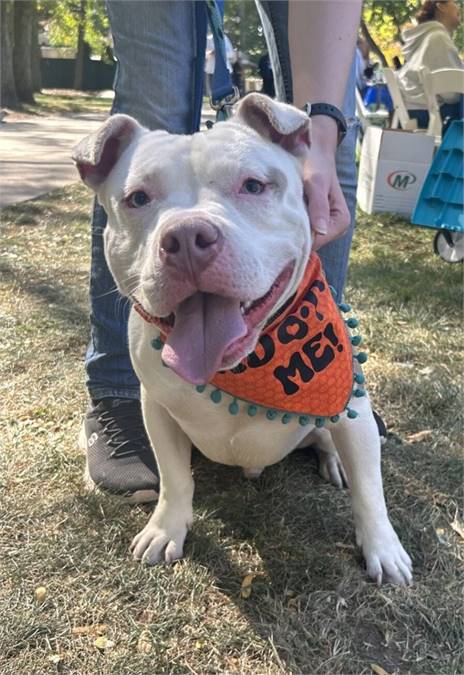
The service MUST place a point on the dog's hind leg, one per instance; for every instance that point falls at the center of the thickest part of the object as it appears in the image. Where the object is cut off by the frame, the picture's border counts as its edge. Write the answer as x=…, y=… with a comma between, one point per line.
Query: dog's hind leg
x=252, y=473
x=330, y=464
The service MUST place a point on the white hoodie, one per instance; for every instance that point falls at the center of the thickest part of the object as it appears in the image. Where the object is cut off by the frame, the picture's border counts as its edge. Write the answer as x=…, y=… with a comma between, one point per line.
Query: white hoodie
x=428, y=44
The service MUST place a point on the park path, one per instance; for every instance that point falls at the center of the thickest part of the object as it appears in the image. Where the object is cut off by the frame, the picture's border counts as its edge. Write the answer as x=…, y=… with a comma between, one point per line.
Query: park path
x=35, y=153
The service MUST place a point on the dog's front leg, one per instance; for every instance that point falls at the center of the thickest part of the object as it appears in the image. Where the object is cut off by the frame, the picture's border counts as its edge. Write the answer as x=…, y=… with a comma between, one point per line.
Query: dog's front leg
x=358, y=444
x=163, y=536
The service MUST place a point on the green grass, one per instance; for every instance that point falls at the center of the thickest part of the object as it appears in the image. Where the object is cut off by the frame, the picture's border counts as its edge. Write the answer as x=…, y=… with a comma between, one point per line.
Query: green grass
x=64, y=101
x=312, y=609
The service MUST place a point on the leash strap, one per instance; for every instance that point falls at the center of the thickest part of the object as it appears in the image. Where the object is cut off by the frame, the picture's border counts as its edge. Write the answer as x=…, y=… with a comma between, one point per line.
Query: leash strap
x=223, y=94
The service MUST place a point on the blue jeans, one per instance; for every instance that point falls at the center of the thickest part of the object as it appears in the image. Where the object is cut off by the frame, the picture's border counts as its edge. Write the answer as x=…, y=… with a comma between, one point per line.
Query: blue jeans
x=160, y=48
x=448, y=113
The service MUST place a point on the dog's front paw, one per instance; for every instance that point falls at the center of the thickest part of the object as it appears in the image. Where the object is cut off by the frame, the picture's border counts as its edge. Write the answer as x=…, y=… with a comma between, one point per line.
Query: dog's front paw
x=159, y=542
x=386, y=559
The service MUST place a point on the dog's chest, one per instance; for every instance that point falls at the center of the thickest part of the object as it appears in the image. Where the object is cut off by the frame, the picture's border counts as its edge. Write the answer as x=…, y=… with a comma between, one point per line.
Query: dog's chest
x=237, y=439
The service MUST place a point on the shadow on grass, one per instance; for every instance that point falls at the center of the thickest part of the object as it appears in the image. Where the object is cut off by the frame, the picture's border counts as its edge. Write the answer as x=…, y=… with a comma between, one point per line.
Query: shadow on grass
x=56, y=299
x=416, y=282
x=297, y=529
x=45, y=210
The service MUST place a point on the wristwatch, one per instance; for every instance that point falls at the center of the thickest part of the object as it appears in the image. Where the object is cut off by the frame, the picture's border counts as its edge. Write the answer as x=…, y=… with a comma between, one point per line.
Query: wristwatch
x=312, y=109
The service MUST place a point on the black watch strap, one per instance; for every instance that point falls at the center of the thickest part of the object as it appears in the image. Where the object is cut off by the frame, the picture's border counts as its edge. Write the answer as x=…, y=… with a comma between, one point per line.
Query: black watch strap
x=312, y=109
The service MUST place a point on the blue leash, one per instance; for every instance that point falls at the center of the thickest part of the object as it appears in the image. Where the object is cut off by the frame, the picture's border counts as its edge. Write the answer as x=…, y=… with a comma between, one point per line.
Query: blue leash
x=223, y=92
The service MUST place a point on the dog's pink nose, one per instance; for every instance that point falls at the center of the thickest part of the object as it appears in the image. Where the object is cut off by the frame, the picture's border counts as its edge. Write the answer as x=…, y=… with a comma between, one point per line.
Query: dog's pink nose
x=191, y=246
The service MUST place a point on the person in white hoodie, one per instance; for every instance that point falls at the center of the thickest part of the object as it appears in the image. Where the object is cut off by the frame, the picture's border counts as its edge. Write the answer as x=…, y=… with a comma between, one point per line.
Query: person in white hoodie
x=430, y=44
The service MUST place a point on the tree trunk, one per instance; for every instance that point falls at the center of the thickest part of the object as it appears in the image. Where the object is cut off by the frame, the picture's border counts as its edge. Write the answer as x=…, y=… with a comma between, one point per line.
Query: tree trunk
x=24, y=16
x=81, y=51
x=372, y=44
x=36, y=55
x=9, y=98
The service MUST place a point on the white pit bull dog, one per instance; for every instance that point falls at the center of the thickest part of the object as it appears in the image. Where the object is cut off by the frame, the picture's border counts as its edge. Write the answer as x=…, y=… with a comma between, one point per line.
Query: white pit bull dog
x=209, y=237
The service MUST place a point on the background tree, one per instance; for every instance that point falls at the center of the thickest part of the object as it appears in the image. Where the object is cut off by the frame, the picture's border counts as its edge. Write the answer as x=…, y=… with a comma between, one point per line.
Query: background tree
x=36, y=77
x=82, y=49
x=9, y=97
x=22, y=53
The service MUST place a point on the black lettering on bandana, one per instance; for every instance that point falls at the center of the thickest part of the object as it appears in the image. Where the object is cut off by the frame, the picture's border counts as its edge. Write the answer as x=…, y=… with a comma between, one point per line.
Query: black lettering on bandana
x=240, y=368
x=285, y=332
x=284, y=373
x=311, y=348
x=330, y=335
x=267, y=343
x=312, y=297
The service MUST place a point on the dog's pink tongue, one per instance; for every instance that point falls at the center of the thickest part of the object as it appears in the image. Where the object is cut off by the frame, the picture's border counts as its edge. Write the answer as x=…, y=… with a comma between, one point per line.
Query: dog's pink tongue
x=205, y=326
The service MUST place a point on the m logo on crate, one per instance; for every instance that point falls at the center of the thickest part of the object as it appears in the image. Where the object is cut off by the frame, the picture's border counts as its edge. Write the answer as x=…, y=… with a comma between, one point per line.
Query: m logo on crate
x=401, y=180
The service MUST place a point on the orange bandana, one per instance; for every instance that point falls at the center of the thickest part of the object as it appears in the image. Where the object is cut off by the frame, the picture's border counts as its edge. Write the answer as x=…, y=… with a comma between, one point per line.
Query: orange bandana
x=303, y=363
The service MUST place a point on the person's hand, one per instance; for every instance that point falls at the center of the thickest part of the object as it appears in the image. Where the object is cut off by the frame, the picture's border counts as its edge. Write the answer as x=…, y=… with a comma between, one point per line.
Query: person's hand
x=328, y=212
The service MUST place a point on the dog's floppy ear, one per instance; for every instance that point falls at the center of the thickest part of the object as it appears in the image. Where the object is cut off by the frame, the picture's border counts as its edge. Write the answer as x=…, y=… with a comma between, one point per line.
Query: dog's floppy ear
x=279, y=122
x=97, y=154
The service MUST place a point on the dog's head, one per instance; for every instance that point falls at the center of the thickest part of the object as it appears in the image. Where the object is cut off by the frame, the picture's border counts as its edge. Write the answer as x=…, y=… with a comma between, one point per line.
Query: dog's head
x=208, y=233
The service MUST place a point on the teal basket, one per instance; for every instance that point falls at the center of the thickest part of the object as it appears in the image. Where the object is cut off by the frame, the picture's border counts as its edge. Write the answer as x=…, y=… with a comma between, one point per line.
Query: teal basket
x=441, y=200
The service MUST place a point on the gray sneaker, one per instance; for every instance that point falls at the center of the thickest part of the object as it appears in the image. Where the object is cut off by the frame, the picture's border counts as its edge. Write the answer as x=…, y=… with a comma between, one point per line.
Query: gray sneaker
x=120, y=459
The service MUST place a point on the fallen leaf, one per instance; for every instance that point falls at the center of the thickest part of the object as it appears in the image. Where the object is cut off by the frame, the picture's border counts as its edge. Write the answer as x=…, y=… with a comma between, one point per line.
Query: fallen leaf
x=92, y=629
x=440, y=532
x=419, y=436
x=428, y=370
x=199, y=644
x=378, y=669
x=102, y=643
x=245, y=589
x=55, y=658
x=40, y=593
x=457, y=527
x=144, y=644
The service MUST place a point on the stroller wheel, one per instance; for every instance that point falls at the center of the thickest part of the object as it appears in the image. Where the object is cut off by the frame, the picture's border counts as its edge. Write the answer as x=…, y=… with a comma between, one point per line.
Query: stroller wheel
x=449, y=245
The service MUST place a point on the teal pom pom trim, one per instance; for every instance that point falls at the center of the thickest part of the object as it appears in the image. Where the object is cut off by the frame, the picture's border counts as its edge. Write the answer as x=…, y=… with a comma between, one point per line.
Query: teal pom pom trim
x=216, y=396
x=271, y=414
x=319, y=422
x=344, y=307
x=359, y=378
x=352, y=414
x=304, y=420
x=359, y=393
x=356, y=340
x=252, y=410
x=352, y=322
x=335, y=418
x=361, y=357
x=157, y=344
x=233, y=408
x=286, y=418
x=200, y=388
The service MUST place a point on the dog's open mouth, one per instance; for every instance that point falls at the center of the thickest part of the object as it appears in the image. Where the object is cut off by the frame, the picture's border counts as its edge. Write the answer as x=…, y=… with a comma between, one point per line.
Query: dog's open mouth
x=207, y=332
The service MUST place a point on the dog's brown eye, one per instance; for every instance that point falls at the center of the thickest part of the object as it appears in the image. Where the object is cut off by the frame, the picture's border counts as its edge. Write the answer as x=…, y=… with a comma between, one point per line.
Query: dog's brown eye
x=137, y=199
x=253, y=187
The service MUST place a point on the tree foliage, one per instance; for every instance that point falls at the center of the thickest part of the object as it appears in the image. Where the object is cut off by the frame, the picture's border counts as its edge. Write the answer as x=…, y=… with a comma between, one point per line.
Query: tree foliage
x=63, y=20
x=386, y=19
x=243, y=26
